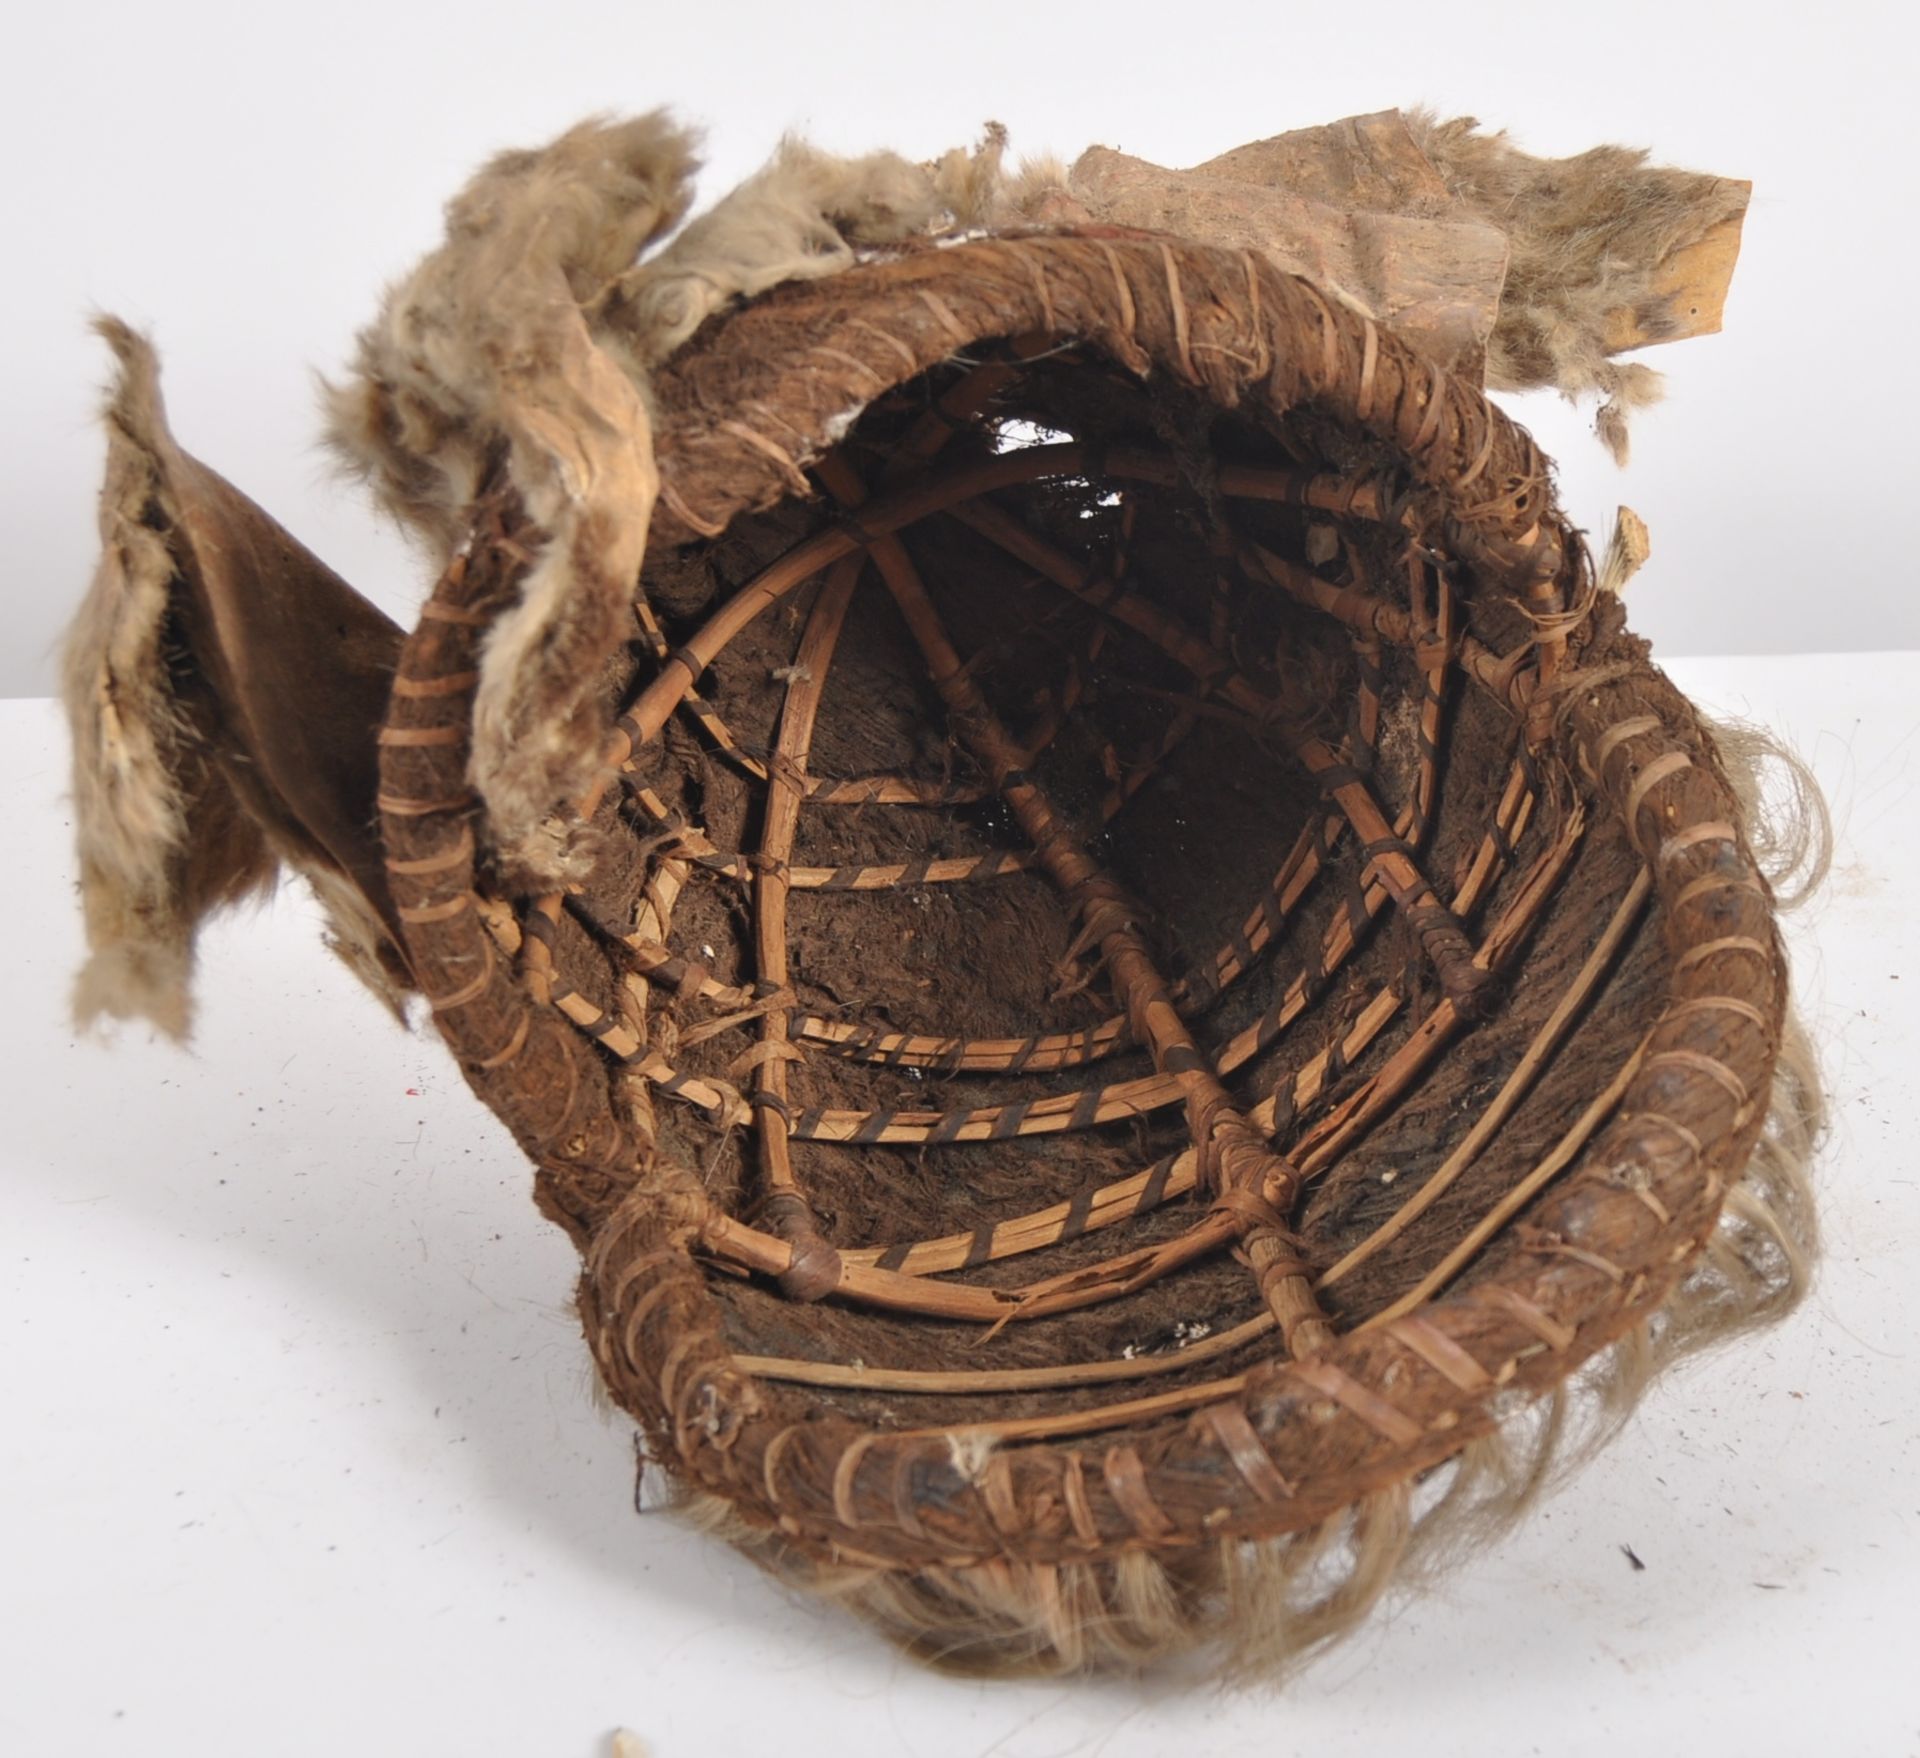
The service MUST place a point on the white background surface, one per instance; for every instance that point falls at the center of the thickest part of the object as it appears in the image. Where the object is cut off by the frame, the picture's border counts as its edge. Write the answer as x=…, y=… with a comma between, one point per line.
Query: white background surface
x=241, y=179
x=297, y=1455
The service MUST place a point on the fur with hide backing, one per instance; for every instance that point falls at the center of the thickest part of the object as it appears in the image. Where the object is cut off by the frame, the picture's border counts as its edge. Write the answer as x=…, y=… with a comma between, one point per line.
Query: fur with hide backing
x=483, y=358
x=140, y=770
x=806, y=214
x=1548, y=268
x=222, y=690
x=522, y=343
x=1596, y=240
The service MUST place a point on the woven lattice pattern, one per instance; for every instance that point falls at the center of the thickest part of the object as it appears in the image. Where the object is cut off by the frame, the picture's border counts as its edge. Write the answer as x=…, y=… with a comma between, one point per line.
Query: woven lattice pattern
x=1153, y=947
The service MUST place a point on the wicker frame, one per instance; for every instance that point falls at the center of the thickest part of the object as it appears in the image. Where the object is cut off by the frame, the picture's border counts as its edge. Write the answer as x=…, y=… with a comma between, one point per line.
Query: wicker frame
x=1613, y=1216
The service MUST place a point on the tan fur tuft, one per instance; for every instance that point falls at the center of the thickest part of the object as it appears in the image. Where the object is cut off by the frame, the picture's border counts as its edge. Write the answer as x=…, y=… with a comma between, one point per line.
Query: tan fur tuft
x=176, y=814
x=970, y=1451
x=523, y=342
x=141, y=774
x=1628, y=550
x=1786, y=817
x=131, y=979
x=420, y=412
x=807, y=214
x=1593, y=238
x=1037, y=191
x=356, y=936
x=484, y=354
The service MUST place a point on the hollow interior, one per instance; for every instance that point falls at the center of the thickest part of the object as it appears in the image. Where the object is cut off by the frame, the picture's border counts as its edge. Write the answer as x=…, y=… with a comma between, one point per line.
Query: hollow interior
x=1209, y=655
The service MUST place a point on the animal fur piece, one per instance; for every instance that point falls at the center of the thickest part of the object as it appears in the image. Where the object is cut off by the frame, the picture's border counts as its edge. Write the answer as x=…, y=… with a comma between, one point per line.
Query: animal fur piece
x=1355, y=207
x=139, y=773
x=524, y=339
x=1608, y=253
x=1626, y=553
x=484, y=354
x=222, y=689
x=807, y=214
x=1540, y=269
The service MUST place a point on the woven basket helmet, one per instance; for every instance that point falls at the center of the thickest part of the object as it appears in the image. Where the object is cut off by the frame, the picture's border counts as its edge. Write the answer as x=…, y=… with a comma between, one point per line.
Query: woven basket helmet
x=1128, y=958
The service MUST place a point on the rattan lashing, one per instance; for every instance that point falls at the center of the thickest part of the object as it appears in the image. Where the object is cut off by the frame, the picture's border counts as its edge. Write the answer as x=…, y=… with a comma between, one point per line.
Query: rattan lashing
x=825, y=447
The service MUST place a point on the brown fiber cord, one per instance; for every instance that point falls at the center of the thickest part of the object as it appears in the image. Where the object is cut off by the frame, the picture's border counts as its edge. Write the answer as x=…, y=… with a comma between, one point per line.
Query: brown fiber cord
x=1134, y=983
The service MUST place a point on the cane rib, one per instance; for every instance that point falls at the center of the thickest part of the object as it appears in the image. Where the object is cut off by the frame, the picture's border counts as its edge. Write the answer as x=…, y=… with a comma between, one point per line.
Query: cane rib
x=815, y=1269
x=1220, y=1157
x=1173, y=1176
x=893, y=1290
x=1441, y=935
x=1041, y=1052
x=938, y=491
x=1233, y=1155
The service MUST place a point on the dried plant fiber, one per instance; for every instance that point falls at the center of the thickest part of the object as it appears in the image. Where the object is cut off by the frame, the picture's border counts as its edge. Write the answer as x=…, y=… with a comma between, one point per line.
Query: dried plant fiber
x=1256, y=1612
x=1147, y=1014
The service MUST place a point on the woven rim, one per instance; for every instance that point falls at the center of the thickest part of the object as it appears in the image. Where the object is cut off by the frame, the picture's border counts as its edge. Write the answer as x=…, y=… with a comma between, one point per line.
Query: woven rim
x=1279, y=1447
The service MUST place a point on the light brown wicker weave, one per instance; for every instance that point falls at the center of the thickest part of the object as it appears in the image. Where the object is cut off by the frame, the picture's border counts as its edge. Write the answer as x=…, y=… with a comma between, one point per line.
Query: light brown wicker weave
x=1156, y=959
x=1381, y=1175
